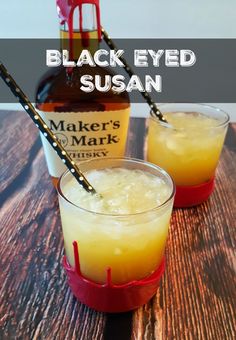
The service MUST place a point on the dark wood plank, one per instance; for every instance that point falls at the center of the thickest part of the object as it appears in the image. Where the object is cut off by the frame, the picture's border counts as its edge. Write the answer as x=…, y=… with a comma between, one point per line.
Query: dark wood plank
x=19, y=142
x=118, y=326
x=196, y=298
x=35, y=301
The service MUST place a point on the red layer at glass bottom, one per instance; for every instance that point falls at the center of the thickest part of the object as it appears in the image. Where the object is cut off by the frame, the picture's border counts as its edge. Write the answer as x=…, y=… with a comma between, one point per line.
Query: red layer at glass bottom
x=188, y=196
x=109, y=297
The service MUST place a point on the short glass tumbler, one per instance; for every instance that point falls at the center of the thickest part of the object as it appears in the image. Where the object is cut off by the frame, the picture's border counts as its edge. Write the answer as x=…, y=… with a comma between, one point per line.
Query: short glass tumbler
x=188, y=149
x=117, y=254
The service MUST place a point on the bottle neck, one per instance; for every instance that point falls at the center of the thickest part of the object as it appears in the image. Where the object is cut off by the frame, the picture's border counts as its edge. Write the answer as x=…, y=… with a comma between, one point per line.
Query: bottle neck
x=81, y=32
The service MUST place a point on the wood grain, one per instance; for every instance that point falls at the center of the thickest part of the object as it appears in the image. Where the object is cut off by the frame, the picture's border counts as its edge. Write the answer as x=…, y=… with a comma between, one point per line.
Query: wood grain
x=35, y=301
x=196, y=298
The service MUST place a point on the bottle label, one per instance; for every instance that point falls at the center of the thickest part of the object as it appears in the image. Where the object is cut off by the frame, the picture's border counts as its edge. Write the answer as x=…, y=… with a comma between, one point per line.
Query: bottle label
x=85, y=135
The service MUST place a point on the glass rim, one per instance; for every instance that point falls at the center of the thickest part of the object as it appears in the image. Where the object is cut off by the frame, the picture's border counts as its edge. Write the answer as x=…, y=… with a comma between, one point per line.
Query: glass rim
x=129, y=159
x=202, y=105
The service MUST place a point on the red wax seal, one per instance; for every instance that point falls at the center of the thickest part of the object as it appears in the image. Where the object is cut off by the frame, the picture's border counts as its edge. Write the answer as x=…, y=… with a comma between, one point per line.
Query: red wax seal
x=66, y=10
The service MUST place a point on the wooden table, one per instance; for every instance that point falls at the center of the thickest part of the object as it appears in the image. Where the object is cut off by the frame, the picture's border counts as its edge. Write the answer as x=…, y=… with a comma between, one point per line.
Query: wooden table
x=196, y=298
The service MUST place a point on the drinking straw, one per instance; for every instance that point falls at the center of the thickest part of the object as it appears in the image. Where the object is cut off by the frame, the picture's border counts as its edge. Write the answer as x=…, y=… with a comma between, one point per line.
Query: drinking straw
x=154, y=109
x=47, y=133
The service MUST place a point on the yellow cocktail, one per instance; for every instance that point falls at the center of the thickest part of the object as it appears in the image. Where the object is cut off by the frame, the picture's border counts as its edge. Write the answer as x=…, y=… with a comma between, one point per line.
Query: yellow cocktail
x=189, y=150
x=125, y=228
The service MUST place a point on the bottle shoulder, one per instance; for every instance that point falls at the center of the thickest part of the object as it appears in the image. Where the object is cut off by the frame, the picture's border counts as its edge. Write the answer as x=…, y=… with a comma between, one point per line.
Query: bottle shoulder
x=60, y=87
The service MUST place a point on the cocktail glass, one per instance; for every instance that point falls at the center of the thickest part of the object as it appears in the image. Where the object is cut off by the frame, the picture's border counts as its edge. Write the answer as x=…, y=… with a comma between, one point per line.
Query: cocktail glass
x=114, y=261
x=188, y=152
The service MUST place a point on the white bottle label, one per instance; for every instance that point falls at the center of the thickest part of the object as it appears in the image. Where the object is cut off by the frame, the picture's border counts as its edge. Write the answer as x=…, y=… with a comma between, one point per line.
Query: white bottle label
x=85, y=135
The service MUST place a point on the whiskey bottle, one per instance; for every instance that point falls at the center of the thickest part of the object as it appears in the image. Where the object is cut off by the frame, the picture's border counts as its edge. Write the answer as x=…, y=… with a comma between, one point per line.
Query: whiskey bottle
x=88, y=125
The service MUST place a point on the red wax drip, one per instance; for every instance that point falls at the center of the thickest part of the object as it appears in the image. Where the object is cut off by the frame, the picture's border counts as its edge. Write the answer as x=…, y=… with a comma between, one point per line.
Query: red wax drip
x=109, y=281
x=76, y=257
x=66, y=10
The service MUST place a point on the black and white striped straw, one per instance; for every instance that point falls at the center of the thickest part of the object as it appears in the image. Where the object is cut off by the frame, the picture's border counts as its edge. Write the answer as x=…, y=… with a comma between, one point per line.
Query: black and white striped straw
x=154, y=109
x=42, y=126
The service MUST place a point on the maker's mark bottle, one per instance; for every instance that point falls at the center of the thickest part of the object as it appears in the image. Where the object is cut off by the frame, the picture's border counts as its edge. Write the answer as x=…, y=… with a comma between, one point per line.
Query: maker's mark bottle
x=88, y=125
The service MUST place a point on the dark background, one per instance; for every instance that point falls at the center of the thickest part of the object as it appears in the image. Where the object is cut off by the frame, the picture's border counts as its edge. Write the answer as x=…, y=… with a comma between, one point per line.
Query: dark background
x=211, y=79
